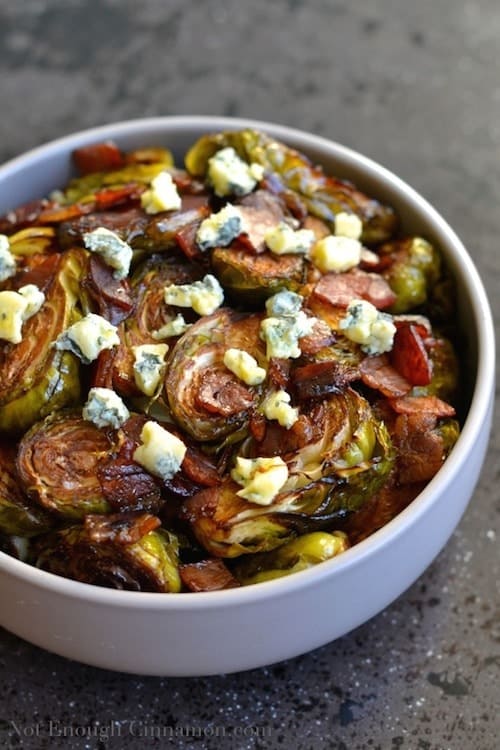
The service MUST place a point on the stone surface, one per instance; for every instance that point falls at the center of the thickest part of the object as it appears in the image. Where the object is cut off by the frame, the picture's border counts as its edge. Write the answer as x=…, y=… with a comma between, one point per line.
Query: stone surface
x=415, y=88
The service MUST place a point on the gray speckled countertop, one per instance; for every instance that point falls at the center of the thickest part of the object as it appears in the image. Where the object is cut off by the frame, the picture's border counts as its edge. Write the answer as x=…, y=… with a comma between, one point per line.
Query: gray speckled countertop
x=416, y=87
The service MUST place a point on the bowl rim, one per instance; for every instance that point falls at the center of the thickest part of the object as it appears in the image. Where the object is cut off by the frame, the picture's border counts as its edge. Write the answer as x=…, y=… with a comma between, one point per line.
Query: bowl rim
x=476, y=419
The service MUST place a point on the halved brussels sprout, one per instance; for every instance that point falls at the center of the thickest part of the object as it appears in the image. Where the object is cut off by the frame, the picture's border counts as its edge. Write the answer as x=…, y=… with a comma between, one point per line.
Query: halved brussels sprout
x=344, y=457
x=150, y=564
x=250, y=279
x=415, y=269
x=206, y=399
x=18, y=516
x=298, y=554
x=151, y=315
x=37, y=378
x=323, y=196
x=58, y=460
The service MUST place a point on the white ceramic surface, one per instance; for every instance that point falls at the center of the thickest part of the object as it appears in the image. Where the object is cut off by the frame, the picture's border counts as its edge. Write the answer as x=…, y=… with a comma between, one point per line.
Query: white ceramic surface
x=209, y=633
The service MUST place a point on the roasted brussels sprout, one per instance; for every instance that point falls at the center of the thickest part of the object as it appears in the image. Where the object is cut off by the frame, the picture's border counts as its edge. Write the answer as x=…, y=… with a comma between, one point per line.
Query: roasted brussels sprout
x=250, y=279
x=58, y=461
x=298, y=554
x=206, y=399
x=342, y=456
x=37, y=379
x=18, y=516
x=413, y=273
x=150, y=564
x=322, y=196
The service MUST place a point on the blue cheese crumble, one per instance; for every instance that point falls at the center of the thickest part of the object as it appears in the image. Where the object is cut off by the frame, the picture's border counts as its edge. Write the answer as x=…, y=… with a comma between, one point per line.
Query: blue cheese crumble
x=338, y=254
x=221, y=228
x=228, y=174
x=261, y=478
x=88, y=337
x=204, y=296
x=283, y=239
x=105, y=408
x=366, y=325
x=162, y=195
x=7, y=260
x=175, y=327
x=277, y=406
x=244, y=366
x=115, y=252
x=348, y=225
x=16, y=308
x=160, y=452
x=149, y=366
x=285, y=325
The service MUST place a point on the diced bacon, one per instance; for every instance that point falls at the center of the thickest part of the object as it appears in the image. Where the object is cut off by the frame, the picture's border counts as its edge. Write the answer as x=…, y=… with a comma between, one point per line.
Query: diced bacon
x=319, y=379
x=127, y=486
x=278, y=372
x=261, y=211
x=120, y=528
x=320, y=337
x=207, y=575
x=338, y=289
x=420, y=448
x=424, y=405
x=113, y=298
x=378, y=373
x=409, y=357
x=198, y=467
x=220, y=393
x=99, y=157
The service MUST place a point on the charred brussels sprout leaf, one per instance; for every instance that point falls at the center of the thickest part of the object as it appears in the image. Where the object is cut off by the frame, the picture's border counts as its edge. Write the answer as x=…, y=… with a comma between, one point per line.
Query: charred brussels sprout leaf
x=298, y=554
x=322, y=196
x=150, y=564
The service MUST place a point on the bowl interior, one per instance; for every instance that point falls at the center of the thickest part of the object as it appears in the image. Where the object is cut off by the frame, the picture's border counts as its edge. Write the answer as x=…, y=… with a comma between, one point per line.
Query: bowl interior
x=38, y=172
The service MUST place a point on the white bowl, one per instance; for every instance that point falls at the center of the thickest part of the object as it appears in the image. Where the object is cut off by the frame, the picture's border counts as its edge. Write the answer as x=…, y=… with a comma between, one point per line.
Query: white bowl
x=227, y=631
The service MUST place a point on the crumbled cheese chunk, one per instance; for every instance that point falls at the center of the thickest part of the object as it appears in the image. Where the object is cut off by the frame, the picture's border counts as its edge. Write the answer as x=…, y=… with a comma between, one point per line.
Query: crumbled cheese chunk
x=105, y=408
x=230, y=175
x=88, y=337
x=175, y=327
x=244, y=366
x=365, y=325
x=7, y=260
x=284, y=303
x=283, y=239
x=220, y=229
x=115, y=252
x=348, y=225
x=149, y=366
x=16, y=308
x=337, y=254
x=160, y=452
x=261, y=478
x=277, y=406
x=286, y=324
x=162, y=195
x=203, y=296
x=34, y=299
